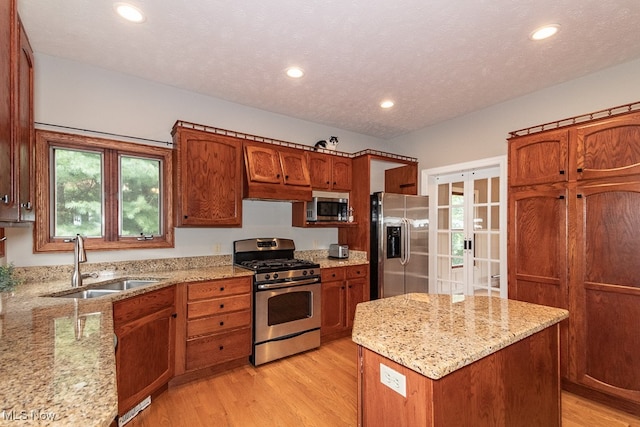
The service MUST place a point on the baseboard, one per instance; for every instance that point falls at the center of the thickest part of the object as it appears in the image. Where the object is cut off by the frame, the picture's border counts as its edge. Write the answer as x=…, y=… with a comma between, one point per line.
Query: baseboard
x=603, y=398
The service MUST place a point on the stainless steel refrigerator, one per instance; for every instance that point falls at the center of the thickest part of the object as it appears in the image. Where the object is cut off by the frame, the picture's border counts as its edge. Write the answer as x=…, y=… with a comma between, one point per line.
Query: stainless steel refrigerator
x=399, y=244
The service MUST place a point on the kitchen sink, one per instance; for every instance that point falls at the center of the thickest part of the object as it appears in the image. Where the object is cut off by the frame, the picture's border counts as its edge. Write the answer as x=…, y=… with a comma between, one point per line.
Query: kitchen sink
x=125, y=284
x=109, y=288
x=89, y=293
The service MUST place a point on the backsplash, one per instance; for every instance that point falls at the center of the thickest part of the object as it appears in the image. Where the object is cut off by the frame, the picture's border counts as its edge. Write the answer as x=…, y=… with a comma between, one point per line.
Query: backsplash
x=109, y=269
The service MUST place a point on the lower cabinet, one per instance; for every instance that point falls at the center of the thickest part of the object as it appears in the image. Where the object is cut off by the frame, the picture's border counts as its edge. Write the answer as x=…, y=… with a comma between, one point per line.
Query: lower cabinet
x=342, y=289
x=145, y=328
x=218, y=323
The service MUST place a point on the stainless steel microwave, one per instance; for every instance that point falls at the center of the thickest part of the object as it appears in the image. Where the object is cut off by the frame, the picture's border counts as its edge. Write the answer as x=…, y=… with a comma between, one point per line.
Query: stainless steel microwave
x=327, y=209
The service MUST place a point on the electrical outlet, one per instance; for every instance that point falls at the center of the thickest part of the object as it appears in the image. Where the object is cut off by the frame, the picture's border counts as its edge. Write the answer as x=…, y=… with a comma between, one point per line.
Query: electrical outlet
x=217, y=248
x=393, y=379
x=315, y=244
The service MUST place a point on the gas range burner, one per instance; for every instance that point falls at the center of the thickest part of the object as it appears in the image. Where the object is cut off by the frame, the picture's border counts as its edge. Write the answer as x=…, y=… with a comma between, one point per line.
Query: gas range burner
x=281, y=264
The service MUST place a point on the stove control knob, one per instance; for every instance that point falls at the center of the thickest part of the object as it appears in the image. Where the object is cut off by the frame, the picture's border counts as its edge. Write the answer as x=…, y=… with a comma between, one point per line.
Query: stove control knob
x=275, y=276
x=267, y=276
x=304, y=273
x=311, y=272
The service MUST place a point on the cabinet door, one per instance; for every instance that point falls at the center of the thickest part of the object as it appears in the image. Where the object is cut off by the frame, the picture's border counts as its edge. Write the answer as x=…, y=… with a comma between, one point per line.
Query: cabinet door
x=7, y=9
x=341, y=171
x=402, y=180
x=539, y=158
x=294, y=168
x=537, y=253
x=320, y=171
x=24, y=129
x=145, y=327
x=355, y=295
x=209, y=179
x=605, y=302
x=263, y=164
x=333, y=307
x=609, y=148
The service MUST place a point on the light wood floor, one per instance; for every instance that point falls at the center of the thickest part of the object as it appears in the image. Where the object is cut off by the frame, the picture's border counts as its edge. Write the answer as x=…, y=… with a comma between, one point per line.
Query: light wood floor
x=314, y=389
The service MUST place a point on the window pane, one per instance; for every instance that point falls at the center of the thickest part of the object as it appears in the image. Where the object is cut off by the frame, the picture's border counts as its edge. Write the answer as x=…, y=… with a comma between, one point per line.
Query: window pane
x=140, y=209
x=77, y=198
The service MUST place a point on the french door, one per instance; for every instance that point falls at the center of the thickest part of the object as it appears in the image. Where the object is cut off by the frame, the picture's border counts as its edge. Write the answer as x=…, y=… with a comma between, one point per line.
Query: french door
x=468, y=246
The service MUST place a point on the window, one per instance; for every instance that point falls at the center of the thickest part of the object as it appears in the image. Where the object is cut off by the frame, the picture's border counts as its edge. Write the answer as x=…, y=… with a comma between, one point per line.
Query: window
x=115, y=194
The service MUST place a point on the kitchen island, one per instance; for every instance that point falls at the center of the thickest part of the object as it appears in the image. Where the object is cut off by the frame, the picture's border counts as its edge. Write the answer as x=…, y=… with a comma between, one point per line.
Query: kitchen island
x=428, y=361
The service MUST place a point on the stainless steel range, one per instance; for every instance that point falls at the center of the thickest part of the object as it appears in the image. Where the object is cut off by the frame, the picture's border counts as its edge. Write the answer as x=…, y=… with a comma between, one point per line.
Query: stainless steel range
x=286, y=298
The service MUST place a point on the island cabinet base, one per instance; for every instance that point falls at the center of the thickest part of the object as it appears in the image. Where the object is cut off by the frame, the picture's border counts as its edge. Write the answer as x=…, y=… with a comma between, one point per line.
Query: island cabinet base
x=518, y=385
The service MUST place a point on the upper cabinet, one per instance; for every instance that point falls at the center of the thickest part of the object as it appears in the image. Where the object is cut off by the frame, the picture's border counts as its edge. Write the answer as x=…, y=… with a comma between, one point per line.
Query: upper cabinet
x=276, y=173
x=329, y=172
x=402, y=180
x=608, y=148
x=16, y=118
x=208, y=178
x=539, y=158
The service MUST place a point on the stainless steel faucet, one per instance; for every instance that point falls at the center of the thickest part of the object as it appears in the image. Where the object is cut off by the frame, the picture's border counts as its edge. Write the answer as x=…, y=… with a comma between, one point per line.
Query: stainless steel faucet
x=79, y=255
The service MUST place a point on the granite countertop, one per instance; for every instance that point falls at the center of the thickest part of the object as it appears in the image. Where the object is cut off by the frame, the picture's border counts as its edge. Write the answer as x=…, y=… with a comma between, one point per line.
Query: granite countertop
x=57, y=354
x=429, y=334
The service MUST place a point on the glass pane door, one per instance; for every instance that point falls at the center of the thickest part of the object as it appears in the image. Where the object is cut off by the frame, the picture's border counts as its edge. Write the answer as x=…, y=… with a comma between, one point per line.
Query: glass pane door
x=468, y=237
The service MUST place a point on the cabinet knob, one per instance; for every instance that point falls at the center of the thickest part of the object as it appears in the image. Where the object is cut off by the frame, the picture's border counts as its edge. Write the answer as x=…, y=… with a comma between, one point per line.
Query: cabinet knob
x=222, y=289
x=561, y=172
x=334, y=183
x=28, y=206
x=561, y=197
x=221, y=323
x=221, y=347
x=174, y=315
x=328, y=183
x=186, y=216
x=5, y=199
x=341, y=287
x=579, y=170
x=221, y=305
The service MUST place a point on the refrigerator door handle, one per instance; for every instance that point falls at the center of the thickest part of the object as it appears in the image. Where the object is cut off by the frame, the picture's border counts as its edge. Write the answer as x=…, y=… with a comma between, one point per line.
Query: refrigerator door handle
x=405, y=242
x=407, y=230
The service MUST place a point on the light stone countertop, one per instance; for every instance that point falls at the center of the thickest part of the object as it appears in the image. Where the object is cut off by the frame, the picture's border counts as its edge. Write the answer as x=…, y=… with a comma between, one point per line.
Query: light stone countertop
x=51, y=378
x=429, y=334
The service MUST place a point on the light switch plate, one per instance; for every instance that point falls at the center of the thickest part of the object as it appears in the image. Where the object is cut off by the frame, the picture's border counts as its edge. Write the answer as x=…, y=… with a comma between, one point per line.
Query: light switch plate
x=393, y=379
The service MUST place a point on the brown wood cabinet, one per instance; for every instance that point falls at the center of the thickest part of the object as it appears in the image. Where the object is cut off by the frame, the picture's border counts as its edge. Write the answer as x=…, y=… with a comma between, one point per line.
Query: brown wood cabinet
x=208, y=178
x=218, y=323
x=329, y=172
x=342, y=289
x=402, y=180
x=572, y=243
x=145, y=328
x=274, y=172
x=16, y=117
x=515, y=386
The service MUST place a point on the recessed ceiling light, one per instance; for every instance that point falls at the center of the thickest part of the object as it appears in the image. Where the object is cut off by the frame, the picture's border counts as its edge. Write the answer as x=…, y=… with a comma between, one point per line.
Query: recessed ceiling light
x=129, y=12
x=295, y=72
x=544, y=32
x=386, y=104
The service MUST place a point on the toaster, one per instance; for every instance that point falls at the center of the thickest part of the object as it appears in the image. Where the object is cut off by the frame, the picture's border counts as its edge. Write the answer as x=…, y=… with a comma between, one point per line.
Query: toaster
x=338, y=251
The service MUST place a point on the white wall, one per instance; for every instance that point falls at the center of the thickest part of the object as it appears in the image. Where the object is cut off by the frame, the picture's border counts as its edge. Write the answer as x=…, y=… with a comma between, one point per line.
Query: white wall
x=72, y=94
x=484, y=133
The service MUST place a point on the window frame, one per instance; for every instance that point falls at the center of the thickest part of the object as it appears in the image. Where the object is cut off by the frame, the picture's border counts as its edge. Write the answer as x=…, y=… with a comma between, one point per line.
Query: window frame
x=111, y=151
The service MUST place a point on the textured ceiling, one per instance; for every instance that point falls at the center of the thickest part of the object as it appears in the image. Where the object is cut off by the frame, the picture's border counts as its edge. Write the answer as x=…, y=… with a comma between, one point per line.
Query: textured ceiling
x=437, y=59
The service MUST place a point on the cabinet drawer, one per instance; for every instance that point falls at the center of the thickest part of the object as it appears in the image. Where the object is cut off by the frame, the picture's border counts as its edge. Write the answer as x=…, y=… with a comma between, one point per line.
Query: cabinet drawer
x=214, y=349
x=140, y=306
x=217, y=324
x=218, y=306
x=219, y=288
x=332, y=274
x=356, y=271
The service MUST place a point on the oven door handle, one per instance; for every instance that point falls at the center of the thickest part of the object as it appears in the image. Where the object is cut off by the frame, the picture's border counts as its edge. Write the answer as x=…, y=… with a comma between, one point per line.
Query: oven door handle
x=281, y=285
